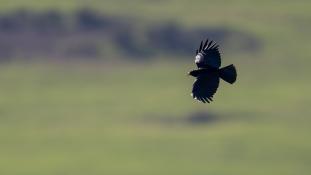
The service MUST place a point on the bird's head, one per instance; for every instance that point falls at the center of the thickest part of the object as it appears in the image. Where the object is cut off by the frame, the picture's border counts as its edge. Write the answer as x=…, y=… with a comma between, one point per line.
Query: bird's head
x=199, y=58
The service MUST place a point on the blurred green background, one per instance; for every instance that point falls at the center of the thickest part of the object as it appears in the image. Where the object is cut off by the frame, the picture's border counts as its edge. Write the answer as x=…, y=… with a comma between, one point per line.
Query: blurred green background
x=100, y=87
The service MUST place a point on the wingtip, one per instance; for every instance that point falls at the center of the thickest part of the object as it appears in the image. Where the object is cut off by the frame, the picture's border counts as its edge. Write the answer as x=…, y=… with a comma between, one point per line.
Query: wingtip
x=205, y=44
x=202, y=99
x=201, y=45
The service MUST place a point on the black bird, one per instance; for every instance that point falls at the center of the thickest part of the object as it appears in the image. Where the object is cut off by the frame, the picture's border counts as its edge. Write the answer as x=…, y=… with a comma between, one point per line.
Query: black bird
x=209, y=72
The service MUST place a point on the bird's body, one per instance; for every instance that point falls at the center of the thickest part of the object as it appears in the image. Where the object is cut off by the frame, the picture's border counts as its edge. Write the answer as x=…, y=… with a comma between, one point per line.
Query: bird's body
x=204, y=72
x=209, y=72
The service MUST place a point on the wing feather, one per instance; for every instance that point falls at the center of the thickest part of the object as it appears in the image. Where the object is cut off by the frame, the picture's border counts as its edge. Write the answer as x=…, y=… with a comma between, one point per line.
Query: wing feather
x=200, y=49
x=208, y=55
x=205, y=44
x=205, y=87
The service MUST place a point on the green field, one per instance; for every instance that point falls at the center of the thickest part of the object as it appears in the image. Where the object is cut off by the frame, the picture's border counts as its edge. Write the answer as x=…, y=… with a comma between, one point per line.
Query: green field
x=132, y=118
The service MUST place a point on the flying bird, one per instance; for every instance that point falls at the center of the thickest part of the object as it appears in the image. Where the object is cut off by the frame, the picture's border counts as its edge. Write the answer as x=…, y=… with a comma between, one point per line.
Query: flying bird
x=209, y=72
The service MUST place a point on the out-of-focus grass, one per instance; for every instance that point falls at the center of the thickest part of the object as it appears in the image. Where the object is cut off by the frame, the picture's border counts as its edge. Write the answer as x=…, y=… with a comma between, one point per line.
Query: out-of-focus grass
x=96, y=119
x=107, y=119
x=243, y=13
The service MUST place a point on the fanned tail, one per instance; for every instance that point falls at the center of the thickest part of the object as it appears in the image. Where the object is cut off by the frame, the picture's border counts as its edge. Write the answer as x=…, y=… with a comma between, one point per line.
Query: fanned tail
x=228, y=74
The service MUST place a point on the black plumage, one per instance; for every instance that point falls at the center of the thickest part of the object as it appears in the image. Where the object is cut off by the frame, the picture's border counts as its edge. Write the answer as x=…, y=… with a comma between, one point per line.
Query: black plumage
x=208, y=61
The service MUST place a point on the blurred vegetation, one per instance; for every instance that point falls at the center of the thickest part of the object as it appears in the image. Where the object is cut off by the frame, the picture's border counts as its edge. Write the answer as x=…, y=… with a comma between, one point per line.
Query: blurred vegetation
x=103, y=113
x=86, y=34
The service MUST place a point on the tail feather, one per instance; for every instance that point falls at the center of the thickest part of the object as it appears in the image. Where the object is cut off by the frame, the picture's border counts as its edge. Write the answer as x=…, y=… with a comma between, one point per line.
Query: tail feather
x=228, y=74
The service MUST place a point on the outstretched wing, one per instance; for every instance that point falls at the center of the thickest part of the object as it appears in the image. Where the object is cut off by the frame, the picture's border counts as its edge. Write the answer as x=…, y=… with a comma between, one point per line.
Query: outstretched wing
x=208, y=55
x=205, y=87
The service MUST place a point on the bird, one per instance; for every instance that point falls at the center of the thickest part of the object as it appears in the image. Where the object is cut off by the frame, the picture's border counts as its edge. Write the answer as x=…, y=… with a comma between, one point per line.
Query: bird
x=209, y=73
